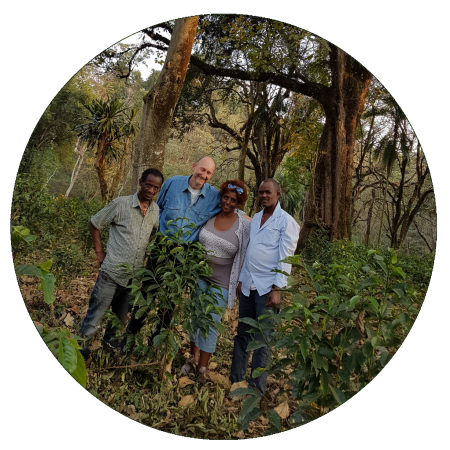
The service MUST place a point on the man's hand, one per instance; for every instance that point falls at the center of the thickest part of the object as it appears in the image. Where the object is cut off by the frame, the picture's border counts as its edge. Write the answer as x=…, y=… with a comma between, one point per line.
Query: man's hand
x=274, y=297
x=95, y=234
x=238, y=289
x=101, y=255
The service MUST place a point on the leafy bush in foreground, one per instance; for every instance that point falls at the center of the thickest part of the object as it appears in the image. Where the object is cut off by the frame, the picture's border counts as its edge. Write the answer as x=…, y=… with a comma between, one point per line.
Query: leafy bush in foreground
x=343, y=327
x=169, y=289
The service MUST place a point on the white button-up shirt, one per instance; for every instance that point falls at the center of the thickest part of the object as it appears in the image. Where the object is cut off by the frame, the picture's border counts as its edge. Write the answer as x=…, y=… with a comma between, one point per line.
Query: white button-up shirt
x=269, y=244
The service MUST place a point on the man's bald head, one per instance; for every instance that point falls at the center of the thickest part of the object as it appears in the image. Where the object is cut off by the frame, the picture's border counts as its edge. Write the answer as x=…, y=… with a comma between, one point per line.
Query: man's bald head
x=202, y=171
x=206, y=160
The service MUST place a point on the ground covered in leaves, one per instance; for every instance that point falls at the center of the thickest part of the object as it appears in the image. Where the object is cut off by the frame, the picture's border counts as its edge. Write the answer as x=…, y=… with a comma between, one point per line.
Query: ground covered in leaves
x=132, y=387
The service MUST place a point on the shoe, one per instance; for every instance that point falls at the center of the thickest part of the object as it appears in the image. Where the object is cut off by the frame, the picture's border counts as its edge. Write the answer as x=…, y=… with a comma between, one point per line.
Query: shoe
x=189, y=367
x=201, y=375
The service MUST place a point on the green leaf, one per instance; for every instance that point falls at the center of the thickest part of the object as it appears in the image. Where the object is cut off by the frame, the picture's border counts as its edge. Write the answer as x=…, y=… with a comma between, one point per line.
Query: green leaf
x=385, y=356
x=28, y=270
x=399, y=292
x=47, y=280
x=140, y=312
x=374, y=303
x=258, y=372
x=338, y=395
x=369, y=330
x=67, y=354
x=383, y=266
x=250, y=321
x=274, y=419
x=404, y=319
x=310, y=271
x=326, y=352
x=324, y=382
x=45, y=267
x=386, y=309
x=80, y=371
x=243, y=391
x=249, y=405
x=354, y=300
x=48, y=286
x=254, y=345
x=399, y=271
x=305, y=288
x=298, y=298
x=319, y=362
x=304, y=346
x=160, y=338
x=324, y=297
x=367, y=349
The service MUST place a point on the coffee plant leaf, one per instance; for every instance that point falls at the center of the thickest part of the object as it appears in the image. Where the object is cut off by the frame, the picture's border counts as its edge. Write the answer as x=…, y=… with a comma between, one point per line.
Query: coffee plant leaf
x=258, y=372
x=304, y=345
x=338, y=395
x=254, y=345
x=67, y=354
x=249, y=321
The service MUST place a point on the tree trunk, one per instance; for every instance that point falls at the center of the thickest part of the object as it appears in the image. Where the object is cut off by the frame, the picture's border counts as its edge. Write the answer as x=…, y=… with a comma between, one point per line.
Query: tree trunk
x=119, y=175
x=369, y=220
x=406, y=211
x=80, y=150
x=330, y=199
x=100, y=167
x=160, y=102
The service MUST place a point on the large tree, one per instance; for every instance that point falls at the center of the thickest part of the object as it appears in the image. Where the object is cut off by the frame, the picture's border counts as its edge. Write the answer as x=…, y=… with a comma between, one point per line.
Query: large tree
x=300, y=62
x=262, y=50
x=160, y=101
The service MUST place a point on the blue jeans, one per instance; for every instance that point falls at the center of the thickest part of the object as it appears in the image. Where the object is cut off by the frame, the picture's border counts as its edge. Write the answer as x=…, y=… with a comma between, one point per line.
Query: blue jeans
x=253, y=307
x=208, y=344
x=106, y=293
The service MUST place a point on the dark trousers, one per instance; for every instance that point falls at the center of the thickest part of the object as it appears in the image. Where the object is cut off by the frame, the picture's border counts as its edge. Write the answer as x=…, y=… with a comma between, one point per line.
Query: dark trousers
x=252, y=306
x=106, y=293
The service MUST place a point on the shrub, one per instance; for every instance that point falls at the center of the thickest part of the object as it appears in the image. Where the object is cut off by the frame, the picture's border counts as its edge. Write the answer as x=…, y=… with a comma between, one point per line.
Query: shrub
x=344, y=325
x=169, y=289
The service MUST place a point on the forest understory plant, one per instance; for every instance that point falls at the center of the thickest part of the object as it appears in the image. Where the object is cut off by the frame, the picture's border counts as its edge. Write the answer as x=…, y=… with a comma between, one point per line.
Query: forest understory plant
x=168, y=291
x=346, y=321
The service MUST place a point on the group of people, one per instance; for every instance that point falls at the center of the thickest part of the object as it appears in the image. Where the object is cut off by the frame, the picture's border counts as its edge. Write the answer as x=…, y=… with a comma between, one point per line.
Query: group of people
x=241, y=251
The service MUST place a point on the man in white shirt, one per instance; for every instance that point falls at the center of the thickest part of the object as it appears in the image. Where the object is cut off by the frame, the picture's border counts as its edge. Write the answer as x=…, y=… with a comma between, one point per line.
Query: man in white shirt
x=273, y=237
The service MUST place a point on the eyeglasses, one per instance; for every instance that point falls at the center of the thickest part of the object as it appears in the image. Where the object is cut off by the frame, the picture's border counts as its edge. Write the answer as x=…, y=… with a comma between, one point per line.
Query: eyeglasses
x=239, y=190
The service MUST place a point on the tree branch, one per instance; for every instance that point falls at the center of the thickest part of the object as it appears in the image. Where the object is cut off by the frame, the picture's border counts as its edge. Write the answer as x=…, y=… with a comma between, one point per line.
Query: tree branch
x=308, y=88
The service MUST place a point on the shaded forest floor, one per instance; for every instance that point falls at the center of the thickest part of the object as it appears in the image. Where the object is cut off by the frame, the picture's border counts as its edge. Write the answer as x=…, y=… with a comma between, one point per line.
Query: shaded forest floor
x=132, y=387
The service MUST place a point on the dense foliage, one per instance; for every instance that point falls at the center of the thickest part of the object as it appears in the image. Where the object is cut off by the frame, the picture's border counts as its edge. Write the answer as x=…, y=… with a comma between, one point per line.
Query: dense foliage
x=60, y=224
x=348, y=317
x=169, y=288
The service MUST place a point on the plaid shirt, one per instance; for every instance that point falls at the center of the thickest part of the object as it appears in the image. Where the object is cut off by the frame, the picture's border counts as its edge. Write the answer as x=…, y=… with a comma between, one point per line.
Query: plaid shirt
x=129, y=234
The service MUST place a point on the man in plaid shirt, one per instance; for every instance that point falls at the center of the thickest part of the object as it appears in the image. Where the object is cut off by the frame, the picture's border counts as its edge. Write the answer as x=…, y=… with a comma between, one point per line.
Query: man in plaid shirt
x=132, y=220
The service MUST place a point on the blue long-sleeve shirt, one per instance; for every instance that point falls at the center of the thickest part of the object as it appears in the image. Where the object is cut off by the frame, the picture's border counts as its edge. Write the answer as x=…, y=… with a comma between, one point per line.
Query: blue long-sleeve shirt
x=269, y=244
x=174, y=200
